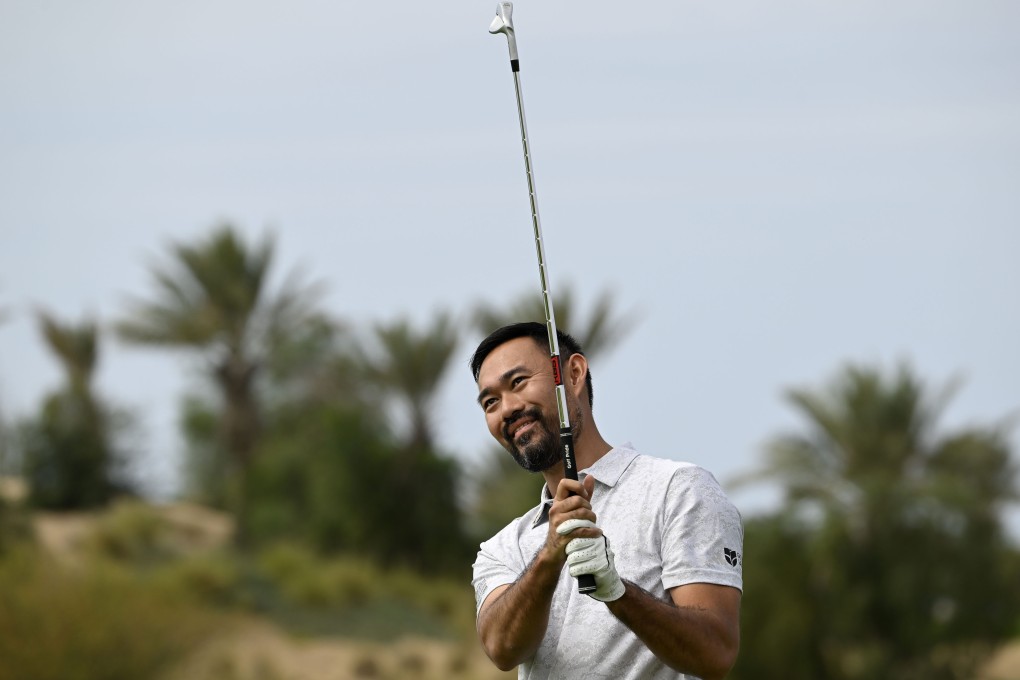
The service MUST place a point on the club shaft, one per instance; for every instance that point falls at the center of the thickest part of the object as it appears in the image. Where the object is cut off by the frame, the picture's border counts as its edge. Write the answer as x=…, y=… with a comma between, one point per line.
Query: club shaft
x=504, y=24
x=569, y=463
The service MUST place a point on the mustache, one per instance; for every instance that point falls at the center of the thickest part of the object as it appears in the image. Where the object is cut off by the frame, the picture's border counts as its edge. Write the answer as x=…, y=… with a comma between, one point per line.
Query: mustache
x=530, y=413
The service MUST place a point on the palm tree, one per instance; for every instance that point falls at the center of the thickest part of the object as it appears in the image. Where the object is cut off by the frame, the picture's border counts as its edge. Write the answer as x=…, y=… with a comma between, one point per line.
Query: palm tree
x=873, y=446
x=76, y=347
x=902, y=542
x=3, y=426
x=598, y=331
x=410, y=365
x=69, y=451
x=213, y=298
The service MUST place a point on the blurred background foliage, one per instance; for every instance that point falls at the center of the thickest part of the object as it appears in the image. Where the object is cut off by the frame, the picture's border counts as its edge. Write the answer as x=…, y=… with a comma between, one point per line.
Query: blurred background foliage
x=319, y=502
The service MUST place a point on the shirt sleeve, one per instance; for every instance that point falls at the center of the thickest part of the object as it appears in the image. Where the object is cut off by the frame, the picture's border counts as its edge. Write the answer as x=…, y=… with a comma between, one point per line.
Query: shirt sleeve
x=498, y=563
x=703, y=535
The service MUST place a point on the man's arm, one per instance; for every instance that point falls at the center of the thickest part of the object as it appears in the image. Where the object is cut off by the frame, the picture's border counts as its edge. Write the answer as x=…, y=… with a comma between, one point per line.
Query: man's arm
x=698, y=633
x=513, y=619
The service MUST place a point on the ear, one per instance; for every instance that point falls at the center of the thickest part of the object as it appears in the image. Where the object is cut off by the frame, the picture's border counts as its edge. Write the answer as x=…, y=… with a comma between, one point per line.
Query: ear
x=573, y=377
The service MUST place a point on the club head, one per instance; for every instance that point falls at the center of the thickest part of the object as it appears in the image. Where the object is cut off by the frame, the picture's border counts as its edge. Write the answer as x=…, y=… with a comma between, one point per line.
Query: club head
x=503, y=23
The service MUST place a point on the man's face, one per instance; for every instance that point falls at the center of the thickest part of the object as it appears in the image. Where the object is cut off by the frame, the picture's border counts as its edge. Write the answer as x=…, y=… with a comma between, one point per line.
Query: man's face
x=516, y=391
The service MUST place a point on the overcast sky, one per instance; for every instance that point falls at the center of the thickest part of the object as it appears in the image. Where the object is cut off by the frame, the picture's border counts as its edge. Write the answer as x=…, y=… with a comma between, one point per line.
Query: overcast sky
x=776, y=189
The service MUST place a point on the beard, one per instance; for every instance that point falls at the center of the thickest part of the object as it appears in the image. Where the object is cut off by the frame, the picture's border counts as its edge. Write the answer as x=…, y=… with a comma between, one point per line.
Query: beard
x=539, y=449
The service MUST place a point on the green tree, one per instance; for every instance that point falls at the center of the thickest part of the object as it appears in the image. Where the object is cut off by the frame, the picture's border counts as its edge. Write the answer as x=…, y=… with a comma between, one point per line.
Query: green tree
x=331, y=470
x=326, y=440
x=69, y=451
x=408, y=366
x=322, y=479
x=213, y=298
x=5, y=466
x=888, y=558
x=501, y=490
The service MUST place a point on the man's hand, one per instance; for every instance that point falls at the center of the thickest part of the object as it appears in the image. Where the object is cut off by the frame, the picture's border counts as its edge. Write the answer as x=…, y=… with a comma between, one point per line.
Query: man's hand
x=571, y=509
x=593, y=556
x=513, y=619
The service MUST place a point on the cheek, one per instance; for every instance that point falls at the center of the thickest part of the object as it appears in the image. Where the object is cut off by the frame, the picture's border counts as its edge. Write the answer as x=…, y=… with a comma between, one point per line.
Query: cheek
x=494, y=423
x=541, y=394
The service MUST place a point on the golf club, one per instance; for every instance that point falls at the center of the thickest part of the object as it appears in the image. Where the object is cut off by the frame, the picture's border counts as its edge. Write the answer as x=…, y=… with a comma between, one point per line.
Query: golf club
x=503, y=23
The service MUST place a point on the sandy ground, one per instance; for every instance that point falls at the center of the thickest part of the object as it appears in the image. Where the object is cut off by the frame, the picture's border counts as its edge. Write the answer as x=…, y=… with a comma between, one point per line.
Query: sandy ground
x=1004, y=665
x=257, y=650
x=190, y=528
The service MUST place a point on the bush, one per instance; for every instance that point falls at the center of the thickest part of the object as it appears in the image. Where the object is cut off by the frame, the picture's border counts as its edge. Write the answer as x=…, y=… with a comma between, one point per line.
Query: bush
x=131, y=532
x=15, y=529
x=94, y=621
x=305, y=579
x=386, y=602
x=212, y=579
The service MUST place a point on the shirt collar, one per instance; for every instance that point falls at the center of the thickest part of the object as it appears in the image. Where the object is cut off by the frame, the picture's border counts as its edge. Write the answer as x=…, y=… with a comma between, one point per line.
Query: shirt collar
x=607, y=470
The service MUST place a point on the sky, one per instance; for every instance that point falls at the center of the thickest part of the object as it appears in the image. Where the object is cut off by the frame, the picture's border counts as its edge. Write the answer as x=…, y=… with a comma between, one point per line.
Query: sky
x=772, y=190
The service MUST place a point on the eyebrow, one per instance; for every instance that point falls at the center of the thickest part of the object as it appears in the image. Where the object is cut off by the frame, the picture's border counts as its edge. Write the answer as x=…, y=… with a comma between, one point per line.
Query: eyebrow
x=502, y=379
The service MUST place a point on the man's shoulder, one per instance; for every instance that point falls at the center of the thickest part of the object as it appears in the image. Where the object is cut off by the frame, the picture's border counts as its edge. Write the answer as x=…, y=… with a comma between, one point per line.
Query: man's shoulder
x=671, y=477
x=645, y=464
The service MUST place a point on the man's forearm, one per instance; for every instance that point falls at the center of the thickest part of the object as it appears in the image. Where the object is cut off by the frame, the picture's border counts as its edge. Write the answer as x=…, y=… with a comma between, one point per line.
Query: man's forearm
x=513, y=625
x=692, y=640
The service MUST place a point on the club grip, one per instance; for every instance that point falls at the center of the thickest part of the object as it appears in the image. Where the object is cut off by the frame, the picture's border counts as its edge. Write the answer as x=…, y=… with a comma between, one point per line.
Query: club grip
x=585, y=582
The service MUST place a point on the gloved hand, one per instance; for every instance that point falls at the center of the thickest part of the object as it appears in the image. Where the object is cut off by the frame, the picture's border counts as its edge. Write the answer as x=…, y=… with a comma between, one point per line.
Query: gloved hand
x=593, y=556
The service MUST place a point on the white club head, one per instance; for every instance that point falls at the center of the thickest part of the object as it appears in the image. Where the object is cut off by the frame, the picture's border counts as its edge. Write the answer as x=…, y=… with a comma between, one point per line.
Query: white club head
x=504, y=23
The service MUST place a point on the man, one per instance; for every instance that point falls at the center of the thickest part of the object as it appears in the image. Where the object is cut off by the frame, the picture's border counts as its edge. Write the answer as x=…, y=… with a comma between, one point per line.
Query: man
x=659, y=536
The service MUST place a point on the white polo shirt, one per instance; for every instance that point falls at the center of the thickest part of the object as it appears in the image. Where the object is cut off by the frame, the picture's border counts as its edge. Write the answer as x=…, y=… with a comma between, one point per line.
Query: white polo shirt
x=669, y=523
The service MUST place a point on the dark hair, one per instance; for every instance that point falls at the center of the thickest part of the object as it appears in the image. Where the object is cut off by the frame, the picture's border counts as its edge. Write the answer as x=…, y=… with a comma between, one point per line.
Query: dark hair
x=537, y=332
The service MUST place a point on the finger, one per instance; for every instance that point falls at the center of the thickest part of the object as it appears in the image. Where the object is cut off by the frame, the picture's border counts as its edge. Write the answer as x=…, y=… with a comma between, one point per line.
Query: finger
x=560, y=516
x=589, y=485
x=569, y=487
x=568, y=504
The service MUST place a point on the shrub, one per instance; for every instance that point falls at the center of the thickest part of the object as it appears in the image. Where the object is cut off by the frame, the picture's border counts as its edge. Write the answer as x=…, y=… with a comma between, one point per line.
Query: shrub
x=212, y=579
x=130, y=531
x=94, y=621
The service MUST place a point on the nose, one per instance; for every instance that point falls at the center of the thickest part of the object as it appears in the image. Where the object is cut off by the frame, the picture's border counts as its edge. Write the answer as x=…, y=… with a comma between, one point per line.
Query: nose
x=510, y=406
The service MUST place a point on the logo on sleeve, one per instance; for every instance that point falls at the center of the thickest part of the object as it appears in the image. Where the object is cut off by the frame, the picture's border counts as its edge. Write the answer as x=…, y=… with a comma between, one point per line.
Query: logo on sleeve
x=732, y=557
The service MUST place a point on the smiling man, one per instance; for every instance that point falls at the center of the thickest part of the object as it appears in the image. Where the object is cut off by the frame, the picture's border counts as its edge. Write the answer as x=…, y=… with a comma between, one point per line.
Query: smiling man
x=660, y=537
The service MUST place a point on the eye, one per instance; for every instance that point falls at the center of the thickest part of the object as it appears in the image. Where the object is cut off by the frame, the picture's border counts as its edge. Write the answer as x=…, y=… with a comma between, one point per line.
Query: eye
x=517, y=381
x=488, y=403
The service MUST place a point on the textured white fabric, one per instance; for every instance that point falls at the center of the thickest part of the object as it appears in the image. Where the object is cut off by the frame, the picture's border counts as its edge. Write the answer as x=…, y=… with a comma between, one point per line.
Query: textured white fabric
x=669, y=524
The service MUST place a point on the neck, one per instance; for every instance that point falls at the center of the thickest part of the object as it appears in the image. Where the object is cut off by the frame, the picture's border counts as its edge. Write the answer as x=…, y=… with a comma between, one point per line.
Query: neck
x=588, y=448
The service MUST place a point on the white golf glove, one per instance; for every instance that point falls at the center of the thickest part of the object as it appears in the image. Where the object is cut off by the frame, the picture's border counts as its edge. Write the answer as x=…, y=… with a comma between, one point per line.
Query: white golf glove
x=593, y=556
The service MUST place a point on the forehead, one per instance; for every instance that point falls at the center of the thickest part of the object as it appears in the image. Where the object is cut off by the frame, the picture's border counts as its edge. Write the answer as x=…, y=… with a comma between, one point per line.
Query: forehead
x=512, y=353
